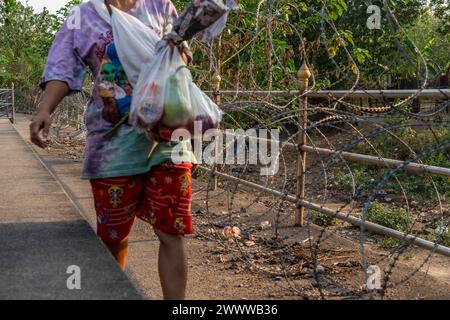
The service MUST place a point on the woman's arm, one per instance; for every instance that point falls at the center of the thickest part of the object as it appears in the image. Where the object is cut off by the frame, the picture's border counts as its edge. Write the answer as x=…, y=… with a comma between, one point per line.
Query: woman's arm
x=183, y=54
x=54, y=92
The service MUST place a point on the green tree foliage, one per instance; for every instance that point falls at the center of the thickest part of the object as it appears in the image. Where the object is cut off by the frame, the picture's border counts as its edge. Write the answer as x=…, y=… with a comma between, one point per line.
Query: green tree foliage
x=334, y=36
x=433, y=46
x=441, y=10
x=25, y=39
x=265, y=42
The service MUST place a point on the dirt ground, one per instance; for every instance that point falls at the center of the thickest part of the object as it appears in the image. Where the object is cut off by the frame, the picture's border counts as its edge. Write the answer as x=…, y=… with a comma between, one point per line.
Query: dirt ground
x=274, y=262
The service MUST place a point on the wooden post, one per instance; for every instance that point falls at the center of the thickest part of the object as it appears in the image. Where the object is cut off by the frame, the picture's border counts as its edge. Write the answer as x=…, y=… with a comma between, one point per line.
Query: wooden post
x=303, y=75
x=269, y=48
x=216, y=80
x=13, y=104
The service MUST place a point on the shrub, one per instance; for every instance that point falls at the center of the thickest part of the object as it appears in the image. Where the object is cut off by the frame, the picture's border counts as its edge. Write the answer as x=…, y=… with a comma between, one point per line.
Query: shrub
x=322, y=219
x=390, y=216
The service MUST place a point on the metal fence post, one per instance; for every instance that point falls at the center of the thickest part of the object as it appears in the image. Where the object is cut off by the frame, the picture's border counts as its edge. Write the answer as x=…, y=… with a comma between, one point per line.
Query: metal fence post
x=303, y=75
x=216, y=80
x=13, y=103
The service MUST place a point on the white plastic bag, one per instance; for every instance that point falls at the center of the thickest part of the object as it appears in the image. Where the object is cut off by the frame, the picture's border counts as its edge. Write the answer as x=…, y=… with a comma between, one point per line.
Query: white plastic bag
x=135, y=42
x=148, y=93
x=162, y=92
x=205, y=113
x=166, y=99
x=164, y=95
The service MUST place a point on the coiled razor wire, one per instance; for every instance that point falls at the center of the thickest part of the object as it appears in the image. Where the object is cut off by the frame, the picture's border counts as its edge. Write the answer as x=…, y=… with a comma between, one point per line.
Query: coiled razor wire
x=388, y=118
x=288, y=187
x=343, y=126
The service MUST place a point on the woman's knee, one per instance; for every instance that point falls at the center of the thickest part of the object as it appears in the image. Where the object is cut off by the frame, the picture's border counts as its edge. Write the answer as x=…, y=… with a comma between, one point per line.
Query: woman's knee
x=169, y=240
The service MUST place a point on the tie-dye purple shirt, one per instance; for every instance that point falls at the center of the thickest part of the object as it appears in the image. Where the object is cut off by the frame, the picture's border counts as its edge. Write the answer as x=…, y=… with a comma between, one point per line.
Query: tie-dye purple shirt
x=90, y=43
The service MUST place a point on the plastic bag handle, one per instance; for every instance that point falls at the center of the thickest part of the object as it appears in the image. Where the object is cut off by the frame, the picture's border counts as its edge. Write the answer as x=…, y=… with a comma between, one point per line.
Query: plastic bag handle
x=108, y=6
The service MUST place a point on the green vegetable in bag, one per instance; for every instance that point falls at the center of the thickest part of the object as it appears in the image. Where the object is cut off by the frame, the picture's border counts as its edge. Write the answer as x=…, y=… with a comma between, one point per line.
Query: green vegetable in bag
x=177, y=103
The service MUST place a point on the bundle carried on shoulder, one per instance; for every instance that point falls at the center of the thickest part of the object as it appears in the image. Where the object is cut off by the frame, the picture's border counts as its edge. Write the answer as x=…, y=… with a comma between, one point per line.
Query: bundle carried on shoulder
x=165, y=98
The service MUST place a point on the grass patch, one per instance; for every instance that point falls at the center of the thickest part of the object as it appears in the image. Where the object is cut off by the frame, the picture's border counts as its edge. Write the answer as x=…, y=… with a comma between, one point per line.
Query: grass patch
x=423, y=188
x=360, y=176
x=390, y=216
x=322, y=219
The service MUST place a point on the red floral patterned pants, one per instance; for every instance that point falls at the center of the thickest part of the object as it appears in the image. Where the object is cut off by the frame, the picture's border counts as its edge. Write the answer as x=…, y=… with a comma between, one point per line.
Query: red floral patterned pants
x=161, y=197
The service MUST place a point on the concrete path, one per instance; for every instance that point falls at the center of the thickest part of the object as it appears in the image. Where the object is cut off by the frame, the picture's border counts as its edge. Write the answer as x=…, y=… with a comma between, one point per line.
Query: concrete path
x=42, y=233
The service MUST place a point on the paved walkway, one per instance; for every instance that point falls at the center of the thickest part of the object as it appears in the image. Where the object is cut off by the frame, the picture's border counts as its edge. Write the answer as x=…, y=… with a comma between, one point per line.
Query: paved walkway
x=42, y=233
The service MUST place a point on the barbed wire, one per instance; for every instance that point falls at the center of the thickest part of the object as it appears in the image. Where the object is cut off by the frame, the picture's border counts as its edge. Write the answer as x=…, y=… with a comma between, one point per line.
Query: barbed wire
x=323, y=259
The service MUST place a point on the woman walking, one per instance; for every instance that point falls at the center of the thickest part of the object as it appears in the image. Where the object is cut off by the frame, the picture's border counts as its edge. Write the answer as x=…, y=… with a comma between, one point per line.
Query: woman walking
x=126, y=183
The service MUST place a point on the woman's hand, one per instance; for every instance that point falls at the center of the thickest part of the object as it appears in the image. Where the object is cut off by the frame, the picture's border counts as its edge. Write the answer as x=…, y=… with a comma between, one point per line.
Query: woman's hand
x=110, y=111
x=54, y=92
x=40, y=122
x=182, y=53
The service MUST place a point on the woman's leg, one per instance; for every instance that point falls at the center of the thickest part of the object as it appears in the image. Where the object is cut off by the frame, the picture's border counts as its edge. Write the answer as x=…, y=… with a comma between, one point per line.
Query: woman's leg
x=172, y=265
x=119, y=251
x=116, y=203
x=167, y=207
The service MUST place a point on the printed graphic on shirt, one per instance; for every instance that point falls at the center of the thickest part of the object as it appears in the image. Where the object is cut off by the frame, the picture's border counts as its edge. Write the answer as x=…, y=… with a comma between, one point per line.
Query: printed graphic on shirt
x=114, y=81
